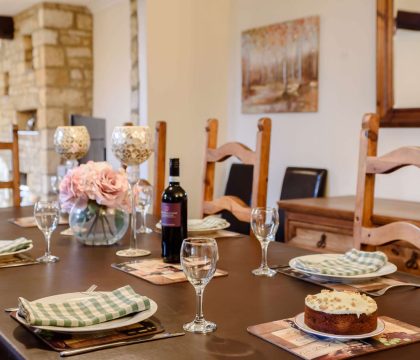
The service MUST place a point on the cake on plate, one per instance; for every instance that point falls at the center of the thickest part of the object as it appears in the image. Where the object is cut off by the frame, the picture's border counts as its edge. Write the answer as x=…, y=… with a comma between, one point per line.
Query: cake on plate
x=341, y=312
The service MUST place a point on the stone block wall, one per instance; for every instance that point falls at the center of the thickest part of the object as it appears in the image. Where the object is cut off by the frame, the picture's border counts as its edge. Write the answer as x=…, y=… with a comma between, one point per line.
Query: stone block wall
x=135, y=85
x=45, y=71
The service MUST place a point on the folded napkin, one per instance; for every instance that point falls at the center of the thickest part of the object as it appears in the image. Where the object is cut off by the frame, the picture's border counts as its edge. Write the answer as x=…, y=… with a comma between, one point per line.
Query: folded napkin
x=209, y=222
x=7, y=246
x=353, y=262
x=96, y=308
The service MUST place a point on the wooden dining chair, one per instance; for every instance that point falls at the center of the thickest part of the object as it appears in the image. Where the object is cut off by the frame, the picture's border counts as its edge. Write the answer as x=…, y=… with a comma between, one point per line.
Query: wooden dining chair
x=13, y=184
x=258, y=158
x=365, y=232
x=158, y=165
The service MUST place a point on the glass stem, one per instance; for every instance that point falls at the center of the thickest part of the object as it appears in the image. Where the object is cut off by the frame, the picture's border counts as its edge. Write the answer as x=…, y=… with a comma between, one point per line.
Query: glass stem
x=199, y=317
x=264, y=246
x=143, y=217
x=133, y=238
x=133, y=176
x=48, y=240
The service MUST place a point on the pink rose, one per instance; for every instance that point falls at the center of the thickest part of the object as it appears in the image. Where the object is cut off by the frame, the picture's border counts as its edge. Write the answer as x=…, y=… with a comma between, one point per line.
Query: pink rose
x=71, y=190
x=110, y=187
x=97, y=182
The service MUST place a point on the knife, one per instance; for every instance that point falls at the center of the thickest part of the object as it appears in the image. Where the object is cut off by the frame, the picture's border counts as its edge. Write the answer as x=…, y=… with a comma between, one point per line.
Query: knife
x=119, y=343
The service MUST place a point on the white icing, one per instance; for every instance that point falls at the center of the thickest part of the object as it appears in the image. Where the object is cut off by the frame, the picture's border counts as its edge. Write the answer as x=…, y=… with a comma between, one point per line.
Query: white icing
x=341, y=302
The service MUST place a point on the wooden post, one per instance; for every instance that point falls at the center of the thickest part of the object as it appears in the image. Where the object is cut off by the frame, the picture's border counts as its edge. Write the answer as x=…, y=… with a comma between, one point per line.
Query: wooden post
x=365, y=182
x=209, y=167
x=159, y=165
x=260, y=178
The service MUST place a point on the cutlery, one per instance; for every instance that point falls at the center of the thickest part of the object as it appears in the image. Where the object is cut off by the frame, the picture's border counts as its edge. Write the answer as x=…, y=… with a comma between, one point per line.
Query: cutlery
x=119, y=343
x=384, y=290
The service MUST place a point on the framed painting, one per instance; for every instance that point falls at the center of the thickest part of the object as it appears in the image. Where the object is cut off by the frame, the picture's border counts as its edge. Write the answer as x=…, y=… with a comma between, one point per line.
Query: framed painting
x=280, y=67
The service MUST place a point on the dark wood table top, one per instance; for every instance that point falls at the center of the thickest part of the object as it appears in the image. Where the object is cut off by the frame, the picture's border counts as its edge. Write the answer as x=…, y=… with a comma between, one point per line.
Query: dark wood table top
x=342, y=207
x=233, y=302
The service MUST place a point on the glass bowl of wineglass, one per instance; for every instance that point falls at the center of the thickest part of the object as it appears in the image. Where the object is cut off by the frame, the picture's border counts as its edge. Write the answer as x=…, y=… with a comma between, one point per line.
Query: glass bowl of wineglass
x=144, y=194
x=47, y=214
x=264, y=224
x=198, y=260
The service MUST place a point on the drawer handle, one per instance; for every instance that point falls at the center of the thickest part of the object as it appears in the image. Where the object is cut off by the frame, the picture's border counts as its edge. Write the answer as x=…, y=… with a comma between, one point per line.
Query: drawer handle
x=411, y=263
x=395, y=251
x=322, y=242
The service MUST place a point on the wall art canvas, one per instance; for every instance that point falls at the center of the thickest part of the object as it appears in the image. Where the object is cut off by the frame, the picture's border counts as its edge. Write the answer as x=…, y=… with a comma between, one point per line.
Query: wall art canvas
x=280, y=67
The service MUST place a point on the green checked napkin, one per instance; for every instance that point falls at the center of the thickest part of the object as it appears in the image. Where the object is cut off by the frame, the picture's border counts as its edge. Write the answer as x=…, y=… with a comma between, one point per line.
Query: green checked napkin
x=96, y=308
x=7, y=246
x=353, y=262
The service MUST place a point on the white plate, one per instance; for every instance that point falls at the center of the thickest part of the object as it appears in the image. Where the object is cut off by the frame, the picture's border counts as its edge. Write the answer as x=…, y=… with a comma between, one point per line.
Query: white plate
x=300, y=323
x=108, y=325
x=17, y=251
x=223, y=226
x=389, y=268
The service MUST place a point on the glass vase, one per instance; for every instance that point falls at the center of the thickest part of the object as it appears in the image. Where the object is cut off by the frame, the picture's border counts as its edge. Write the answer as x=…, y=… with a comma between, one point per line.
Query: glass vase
x=97, y=225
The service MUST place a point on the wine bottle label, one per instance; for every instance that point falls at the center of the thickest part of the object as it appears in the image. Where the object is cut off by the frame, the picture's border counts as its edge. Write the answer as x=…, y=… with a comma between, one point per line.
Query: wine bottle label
x=171, y=214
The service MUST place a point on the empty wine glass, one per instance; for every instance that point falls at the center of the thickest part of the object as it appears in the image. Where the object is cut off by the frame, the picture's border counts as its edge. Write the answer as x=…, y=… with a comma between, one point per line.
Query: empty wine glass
x=198, y=260
x=47, y=214
x=264, y=224
x=143, y=202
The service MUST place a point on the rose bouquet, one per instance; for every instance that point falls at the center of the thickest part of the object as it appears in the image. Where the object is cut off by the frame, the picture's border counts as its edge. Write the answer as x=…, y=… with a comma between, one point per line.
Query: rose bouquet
x=98, y=201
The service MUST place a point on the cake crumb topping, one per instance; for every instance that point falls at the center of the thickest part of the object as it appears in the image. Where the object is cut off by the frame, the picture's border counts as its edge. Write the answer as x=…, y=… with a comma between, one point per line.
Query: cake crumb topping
x=341, y=302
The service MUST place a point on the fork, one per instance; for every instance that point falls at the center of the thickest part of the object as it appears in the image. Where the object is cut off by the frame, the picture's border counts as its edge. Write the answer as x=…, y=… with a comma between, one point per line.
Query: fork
x=91, y=289
x=384, y=290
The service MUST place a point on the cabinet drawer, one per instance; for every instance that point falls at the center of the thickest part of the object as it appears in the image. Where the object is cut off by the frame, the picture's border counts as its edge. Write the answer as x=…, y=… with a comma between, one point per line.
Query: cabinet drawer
x=319, y=238
x=404, y=256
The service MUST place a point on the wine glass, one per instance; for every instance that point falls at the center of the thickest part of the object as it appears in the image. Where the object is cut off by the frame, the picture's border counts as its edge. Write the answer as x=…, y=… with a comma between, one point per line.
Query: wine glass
x=132, y=145
x=264, y=224
x=198, y=261
x=144, y=194
x=47, y=214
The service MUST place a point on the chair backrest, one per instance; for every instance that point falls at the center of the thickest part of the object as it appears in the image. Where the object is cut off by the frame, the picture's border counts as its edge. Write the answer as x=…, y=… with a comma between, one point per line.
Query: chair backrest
x=158, y=164
x=258, y=158
x=97, y=133
x=239, y=184
x=369, y=165
x=13, y=184
x=300, y=182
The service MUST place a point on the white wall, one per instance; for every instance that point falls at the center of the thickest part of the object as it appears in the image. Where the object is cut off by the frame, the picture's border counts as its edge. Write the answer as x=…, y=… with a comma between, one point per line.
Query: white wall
x=330, y=137
x=193, y=73
x=111, y=49
x=187, y=63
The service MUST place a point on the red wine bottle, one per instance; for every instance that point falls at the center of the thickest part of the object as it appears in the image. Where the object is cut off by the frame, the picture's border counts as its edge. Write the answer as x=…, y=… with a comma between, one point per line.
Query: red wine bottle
x=174, y=215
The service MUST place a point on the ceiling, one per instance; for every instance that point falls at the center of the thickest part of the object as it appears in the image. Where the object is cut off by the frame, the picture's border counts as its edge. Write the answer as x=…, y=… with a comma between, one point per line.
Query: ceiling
x=13, y=7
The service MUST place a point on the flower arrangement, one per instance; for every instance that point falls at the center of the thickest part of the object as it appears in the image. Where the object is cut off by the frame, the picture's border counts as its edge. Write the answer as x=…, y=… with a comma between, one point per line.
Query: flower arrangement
x=97, y=182
x=97, y=198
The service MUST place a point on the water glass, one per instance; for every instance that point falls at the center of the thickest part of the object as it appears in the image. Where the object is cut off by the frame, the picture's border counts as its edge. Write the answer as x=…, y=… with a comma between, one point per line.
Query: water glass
x=198, y=260
x=47, y=214
x=264, y=224
x=144, y=195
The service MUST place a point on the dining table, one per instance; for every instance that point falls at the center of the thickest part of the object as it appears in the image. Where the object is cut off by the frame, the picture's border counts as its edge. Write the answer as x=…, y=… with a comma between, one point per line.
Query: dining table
x=234, y=302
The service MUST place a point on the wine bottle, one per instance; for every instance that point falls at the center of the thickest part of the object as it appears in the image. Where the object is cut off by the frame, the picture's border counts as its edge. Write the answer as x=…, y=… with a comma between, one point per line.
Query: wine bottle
x=174, y=215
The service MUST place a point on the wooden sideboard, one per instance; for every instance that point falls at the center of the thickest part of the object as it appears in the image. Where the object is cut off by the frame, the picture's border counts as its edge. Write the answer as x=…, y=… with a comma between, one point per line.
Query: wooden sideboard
x=326, y=225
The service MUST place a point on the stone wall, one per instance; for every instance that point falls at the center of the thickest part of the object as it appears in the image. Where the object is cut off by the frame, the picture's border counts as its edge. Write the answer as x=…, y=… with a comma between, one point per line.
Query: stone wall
x=45, y=71
x=135, y=108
